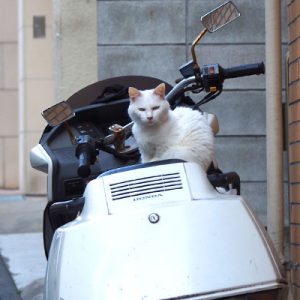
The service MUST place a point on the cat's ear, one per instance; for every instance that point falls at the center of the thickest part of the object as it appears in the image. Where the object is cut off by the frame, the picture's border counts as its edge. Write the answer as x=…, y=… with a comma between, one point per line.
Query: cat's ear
x=133, y=93
x=160, y=90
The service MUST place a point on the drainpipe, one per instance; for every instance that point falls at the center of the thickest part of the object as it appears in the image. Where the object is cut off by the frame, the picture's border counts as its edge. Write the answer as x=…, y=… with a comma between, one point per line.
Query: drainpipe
x=274, y=127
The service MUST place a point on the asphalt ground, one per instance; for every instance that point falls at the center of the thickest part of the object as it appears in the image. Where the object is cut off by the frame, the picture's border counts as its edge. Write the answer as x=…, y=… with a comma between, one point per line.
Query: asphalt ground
x=8, y=289
x=22, y=259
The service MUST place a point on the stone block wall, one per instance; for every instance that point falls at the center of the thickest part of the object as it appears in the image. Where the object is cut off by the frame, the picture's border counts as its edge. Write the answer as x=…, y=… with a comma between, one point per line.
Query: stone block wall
x=294, y=139
x=9, y=148
x=153, y=38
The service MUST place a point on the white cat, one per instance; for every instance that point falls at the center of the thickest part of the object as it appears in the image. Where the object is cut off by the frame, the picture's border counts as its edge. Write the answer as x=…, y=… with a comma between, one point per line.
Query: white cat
x=165, y=134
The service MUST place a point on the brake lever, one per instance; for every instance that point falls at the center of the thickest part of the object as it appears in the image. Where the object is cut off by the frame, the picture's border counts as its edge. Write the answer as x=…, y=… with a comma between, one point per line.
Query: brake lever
x=118, y=138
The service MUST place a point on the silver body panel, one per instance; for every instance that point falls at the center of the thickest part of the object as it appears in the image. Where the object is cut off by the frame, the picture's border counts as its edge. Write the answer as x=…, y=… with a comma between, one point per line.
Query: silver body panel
x=41, y=161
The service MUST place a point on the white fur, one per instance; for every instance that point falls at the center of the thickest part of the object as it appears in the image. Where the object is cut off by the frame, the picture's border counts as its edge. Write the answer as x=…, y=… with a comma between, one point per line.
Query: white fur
x=182, y=133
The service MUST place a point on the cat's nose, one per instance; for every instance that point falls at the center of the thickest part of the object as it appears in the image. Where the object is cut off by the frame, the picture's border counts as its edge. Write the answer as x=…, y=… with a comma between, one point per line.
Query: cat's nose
x=149, y=118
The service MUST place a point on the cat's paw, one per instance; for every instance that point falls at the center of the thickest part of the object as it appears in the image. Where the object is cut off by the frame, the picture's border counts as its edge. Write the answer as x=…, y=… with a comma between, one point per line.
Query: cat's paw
x=221, y=190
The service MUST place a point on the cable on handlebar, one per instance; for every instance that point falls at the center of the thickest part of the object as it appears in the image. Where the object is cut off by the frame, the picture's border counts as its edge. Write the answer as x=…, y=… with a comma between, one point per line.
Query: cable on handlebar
x=207, y=98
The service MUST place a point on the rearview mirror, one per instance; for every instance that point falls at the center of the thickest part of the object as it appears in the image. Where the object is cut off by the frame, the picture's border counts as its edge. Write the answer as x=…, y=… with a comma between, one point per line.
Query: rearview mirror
x=220, y=16
x=58, y=113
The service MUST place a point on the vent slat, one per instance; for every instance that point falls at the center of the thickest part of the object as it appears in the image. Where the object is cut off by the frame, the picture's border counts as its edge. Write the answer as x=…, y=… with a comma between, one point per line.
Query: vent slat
x=145, y=193
x=150, y=189
x=145, y=186
x=150, y=184
x=145, y=182
x=143, y=178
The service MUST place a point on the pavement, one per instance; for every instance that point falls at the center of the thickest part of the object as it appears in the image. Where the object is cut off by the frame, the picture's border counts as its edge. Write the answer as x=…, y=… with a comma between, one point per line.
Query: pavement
x=22, y=258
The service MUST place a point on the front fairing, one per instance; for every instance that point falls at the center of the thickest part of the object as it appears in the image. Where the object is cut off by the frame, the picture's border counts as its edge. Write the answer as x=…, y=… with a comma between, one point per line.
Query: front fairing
x=189, y=244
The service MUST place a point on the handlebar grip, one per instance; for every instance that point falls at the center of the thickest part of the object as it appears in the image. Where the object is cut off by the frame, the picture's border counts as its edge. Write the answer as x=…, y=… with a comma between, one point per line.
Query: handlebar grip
x=84, y=164
x=244, y=70
x=86, y=153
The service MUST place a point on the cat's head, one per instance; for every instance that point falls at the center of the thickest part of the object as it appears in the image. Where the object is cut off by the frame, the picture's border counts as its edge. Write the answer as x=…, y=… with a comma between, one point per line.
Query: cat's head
x=148, y=107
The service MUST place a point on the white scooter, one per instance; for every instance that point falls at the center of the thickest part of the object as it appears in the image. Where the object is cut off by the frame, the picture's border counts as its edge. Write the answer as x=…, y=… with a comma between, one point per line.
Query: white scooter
x=118, y=229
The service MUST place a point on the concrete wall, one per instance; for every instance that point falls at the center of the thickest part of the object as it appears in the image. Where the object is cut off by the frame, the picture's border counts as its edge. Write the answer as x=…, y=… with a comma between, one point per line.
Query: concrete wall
x=9, y=163
x=75, y=50
x=35, y=85
x=153, y=38
x=294, y=138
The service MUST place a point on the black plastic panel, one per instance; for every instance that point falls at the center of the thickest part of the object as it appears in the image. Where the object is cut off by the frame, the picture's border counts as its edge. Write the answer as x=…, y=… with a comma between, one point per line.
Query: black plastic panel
x=58, y=144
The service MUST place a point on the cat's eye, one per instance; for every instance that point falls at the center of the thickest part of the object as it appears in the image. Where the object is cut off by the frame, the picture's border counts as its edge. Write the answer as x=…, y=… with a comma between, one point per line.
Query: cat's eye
x=141, y=109
x=155, y=107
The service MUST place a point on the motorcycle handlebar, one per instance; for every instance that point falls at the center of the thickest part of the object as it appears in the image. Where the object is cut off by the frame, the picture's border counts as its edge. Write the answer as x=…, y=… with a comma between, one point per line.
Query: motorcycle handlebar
x=86, y=154
x=212, y=76
x=84, y=163
x=243, y=70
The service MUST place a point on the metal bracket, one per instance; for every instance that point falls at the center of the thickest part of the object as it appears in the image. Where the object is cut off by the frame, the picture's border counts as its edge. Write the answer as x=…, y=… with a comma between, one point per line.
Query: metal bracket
x=119, y=137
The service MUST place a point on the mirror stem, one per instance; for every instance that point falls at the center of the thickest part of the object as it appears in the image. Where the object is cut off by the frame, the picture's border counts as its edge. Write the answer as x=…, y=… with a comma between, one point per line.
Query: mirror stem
x=196, y=41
